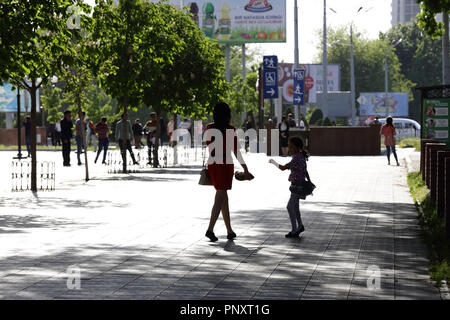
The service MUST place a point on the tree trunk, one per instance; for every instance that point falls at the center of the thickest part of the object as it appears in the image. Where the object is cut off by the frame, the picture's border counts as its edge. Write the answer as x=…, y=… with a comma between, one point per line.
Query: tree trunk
x=445, y=51
x=175, y=141
x=83, y=138
x=124, y=141
x=33, y=136
x=158, y=135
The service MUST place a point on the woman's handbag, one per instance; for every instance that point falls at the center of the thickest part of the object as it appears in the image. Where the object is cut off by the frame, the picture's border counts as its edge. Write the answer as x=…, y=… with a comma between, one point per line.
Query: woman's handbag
x=205, y=179
x=302, y=189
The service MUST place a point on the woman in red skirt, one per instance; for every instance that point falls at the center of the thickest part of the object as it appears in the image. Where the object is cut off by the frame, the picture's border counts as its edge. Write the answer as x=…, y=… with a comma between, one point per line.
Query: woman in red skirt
x=221, y=140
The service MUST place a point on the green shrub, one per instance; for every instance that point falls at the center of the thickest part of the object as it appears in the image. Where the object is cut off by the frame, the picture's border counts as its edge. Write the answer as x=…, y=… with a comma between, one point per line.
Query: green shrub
x=327, y=122
x=316, y=116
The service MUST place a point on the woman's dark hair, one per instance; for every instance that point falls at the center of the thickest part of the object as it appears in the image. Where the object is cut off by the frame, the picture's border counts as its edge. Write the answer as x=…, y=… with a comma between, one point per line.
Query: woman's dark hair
x=222, y=115
x=283, y=118
x=298, y=142
x=389, y=121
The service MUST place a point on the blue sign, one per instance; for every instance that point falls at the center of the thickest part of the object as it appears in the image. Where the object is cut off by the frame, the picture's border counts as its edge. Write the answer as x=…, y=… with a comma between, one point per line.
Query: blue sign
x=270, y=65
x=299, y=87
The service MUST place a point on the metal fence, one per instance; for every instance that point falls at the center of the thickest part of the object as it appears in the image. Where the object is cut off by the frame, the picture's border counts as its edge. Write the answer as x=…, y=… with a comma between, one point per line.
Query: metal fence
x=167, y=157
x=21, y=176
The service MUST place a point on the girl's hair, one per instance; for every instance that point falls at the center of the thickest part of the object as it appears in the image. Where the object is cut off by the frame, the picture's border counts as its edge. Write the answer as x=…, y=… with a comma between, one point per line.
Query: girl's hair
x=222, y=115
x=298, y=142
x=389, y=121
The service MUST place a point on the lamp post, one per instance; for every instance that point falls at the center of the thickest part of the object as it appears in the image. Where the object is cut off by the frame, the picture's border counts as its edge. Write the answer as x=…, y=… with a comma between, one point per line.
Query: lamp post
x=296, y=55
x=324, y=62
x=19, y=126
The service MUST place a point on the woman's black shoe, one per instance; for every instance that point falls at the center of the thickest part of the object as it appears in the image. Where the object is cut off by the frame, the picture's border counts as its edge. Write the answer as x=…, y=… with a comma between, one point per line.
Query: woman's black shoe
x=211, y=236
x=231, y=236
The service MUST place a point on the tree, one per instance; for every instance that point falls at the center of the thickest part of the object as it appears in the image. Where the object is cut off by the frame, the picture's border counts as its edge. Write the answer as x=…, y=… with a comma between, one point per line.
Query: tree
x=52, y=102
x=243, y=97
x=427, y=16
x=369, y=60
x=37, y=39
x=185, y=74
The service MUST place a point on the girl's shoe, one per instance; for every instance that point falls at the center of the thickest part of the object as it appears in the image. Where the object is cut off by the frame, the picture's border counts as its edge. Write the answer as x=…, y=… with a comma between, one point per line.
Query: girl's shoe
x=211, y=236
x=291, y=235
x=231, y=236
x=398, y=164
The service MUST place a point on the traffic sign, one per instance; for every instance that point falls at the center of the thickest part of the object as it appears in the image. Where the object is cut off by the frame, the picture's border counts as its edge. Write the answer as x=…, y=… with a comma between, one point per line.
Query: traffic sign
x=299, y=86
x=270, y=65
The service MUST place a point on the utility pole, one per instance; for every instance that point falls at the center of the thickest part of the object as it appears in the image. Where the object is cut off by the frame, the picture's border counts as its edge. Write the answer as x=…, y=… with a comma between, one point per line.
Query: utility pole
x=386, y=85
x=296, y=55
x=352, y=76
x=325, y=66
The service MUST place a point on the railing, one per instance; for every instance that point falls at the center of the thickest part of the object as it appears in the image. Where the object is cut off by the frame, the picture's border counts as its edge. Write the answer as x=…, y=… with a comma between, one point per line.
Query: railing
x=21, y=176
x=167, y=157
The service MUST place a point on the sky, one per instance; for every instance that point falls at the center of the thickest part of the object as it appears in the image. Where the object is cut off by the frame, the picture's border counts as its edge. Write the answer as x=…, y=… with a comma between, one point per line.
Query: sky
x=310, y=15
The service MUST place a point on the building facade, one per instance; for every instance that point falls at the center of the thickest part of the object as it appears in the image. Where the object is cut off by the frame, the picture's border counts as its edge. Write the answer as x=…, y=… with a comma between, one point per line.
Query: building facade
x=404, y=11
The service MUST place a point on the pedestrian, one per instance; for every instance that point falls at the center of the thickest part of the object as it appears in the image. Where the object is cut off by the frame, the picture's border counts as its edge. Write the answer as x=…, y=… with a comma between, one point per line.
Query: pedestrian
x=299, y=173
x=221, y=168
x=185, y=124
x=51, y=133
x=388, y=131
x=66, y=135
x=301, y=125
x=27, y=125
x=248, y=125
x=90, y=136
x=58, y=133
x=123, y=138
x=150, y=130
x=102, y=129
x=291, y=121
x=137, y=133
x=79, y=135
x=170, y=129
x=283, y=128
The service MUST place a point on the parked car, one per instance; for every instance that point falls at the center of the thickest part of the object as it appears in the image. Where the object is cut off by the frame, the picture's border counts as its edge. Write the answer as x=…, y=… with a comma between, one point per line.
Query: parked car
x=405, y=128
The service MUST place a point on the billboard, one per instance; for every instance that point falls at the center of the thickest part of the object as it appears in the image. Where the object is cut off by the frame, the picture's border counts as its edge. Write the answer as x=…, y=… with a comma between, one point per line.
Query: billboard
x=313, y=81
x=8, y=99
x=239, y=21
x=373, y=104
x=436, y=118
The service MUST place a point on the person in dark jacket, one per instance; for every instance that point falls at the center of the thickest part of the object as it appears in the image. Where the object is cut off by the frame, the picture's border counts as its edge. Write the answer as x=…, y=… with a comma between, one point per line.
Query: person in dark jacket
x=283, y=128
x=66, y=134
x=137, y=133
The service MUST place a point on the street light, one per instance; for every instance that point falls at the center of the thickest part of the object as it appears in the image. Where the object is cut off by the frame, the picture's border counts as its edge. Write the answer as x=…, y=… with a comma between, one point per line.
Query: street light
x=386, y=75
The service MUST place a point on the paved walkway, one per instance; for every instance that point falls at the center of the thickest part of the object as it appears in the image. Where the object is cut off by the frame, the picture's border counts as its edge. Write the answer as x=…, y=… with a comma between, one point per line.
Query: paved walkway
x=141, y=236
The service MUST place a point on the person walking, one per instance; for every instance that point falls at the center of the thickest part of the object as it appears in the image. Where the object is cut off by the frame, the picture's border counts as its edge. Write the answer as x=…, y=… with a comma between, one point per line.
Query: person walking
x=123, y=138
x=170, y=130
x=78, y=136
x=388, y=131
x=291, y=121
x=249, y=124
x=66, y=125
x=91, y=134
x=283, y=128
x=102, y=129
x=57, y=134
x=27, y=125
x=299, y=173
x=221, y=168
x=150, y=130
x=137, y=133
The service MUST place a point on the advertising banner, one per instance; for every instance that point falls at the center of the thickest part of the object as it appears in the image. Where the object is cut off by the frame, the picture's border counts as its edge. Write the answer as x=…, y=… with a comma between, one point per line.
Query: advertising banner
x=436, y=118
x=239, y=21
x=8, y=99
x=312, y=82
x=373, y=104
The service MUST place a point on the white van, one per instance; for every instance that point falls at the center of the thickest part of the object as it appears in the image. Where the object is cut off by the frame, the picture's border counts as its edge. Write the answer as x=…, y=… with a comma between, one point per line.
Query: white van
x=404, y=128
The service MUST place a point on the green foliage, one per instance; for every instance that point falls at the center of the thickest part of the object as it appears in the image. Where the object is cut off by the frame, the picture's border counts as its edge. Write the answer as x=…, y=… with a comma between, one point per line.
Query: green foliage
x=52, y=103
x=409, y=143
x=316, y=116
x=433, y=229
x=427, y=16
x=369, y=60
x=327, y=122
x=243, y=97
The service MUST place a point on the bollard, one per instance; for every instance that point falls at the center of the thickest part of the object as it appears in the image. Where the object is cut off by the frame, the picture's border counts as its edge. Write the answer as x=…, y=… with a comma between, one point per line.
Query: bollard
x=423, y=143
x=430, y=175
x=440, y=184
x=447, y=197
x=433, y=150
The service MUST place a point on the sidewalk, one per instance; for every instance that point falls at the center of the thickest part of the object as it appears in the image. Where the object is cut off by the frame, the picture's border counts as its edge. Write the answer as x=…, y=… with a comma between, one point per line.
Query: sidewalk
x=141, y=236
